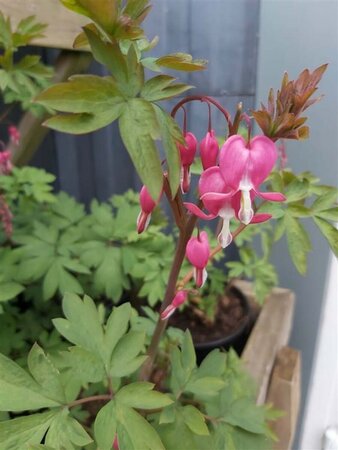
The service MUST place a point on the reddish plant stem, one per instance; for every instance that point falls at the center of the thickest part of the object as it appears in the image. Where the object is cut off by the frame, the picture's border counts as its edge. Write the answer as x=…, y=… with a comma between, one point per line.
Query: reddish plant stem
x=203, y=98
x=185, y=235
x=93, y=398
x=176, y=205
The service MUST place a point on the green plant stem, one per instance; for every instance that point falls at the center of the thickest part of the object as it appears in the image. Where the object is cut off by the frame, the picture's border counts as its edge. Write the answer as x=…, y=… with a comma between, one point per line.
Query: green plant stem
x=93, y=398
x=184, y=237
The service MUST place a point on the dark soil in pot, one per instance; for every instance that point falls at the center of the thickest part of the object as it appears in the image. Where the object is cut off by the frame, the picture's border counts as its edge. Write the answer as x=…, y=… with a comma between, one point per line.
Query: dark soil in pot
x=231, y=328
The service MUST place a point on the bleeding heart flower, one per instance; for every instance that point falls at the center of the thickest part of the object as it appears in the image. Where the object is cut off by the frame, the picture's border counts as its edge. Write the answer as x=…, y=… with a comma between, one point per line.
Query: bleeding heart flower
x=209, y=150
x=217, y=198
x=147, y=206
x=198, y=252
x=245, y=166
x=187, y=153
x=179, y=299
x=242, y=169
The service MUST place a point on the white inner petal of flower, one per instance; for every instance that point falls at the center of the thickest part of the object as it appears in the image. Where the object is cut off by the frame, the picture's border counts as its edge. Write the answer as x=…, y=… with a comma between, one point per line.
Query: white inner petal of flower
x=169, y=311
x=204, y=277
x=225, y=237
x=246, y=212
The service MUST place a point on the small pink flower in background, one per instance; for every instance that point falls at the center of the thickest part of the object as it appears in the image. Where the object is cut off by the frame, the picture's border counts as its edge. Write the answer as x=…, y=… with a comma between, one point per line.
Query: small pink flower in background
x=179, y=299
x=6, y=217
x=209, y=150
x=245, y=166
x=187, y=153
x=147, y=206
x=14, y=134
x=197, y=253
x=5, y=163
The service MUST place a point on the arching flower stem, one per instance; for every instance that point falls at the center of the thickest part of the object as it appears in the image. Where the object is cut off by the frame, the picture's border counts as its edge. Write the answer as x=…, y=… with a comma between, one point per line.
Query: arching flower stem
x=184, y=120
x=207, y=99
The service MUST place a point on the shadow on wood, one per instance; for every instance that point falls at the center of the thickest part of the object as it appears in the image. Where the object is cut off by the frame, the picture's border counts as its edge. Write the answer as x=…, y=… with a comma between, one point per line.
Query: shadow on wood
x=284, y=393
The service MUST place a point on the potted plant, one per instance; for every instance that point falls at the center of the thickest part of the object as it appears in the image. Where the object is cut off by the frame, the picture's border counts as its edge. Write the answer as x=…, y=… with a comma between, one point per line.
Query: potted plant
x=122, y=381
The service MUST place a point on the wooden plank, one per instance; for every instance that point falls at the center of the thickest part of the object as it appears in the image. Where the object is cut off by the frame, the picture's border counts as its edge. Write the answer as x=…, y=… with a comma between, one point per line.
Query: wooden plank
x=63, y=24
x=270, y=333
x=284, y=393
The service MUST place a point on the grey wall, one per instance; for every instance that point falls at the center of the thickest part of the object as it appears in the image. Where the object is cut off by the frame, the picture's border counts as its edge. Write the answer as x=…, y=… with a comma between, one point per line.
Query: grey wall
x=294, y=35
x=222, y=31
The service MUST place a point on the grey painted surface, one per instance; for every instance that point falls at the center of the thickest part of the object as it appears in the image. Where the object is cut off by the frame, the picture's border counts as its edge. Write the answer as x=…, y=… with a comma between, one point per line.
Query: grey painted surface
x=222, y=31
x=295, y=35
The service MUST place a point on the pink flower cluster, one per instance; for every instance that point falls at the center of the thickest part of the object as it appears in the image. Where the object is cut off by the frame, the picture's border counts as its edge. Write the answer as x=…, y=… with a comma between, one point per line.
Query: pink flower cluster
x=228, y=185
x=5, y=163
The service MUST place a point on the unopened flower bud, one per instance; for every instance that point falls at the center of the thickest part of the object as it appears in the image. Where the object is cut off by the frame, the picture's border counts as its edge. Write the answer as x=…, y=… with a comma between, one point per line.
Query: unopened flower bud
x=187, y=153
x=179, y=299
x=147, y=206
x=198, y=252
x=209, y=150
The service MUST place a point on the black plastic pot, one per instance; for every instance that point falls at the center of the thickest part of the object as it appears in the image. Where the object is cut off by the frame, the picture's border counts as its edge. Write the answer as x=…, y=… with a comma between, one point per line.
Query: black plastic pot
x=237, y=339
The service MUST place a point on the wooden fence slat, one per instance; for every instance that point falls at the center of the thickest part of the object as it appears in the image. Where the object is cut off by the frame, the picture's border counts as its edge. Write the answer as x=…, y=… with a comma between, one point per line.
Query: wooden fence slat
x=284, y=393
x=226, y=34
x=270, y=333
x=63, y=24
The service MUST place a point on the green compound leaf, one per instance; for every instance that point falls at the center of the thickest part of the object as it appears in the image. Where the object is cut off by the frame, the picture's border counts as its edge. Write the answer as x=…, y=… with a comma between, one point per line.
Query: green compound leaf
x=84, y=122
x=19, y=433
x=125, y=359
x=90, y=102
x=138, y=128
x=82, y=94
x=116, y=327
x=134, y=431
x=195, y=420
x=181, y=61
x=65, y=432
x=105, y=426
x=298, y=243
x=18, y=391
x=161, y=88
x=46, y=374
x=104, y=13
x=142, y=396
x=82, y=325
x=110, y=55
x=329, y=232
x=9, y=290
x=171, y=136
x=245, y=414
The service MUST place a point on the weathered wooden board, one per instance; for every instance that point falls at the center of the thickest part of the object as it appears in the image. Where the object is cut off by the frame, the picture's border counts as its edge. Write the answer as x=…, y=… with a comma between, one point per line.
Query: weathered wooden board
x=270, y=333
x=284, y=393
x=63, y=24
